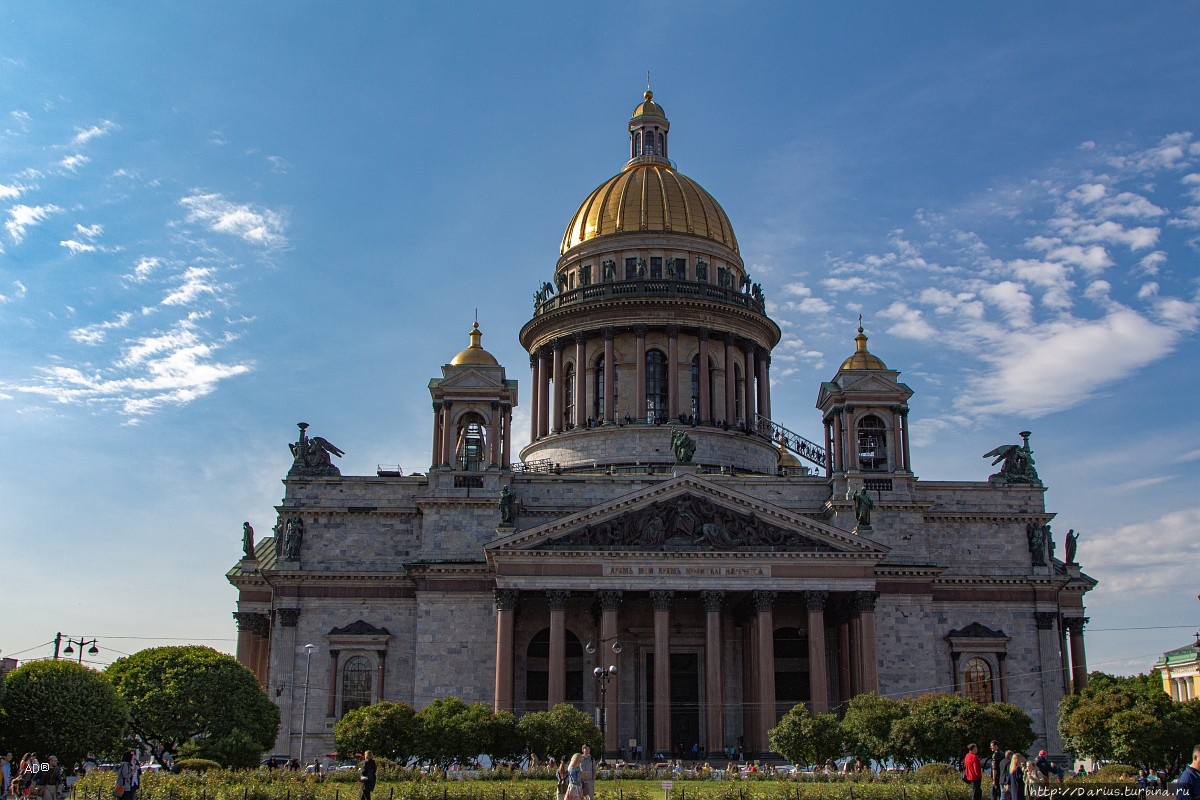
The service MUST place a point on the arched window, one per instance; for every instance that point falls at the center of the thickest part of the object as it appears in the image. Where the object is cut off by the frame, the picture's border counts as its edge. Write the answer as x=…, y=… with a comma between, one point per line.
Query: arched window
x=637, y=144
x=712, y=369
x=357, y=677
x=569, y=397
x=598, y=391
x=661, y=150
x=656, y=385
x=977, y=680
x=872, y=443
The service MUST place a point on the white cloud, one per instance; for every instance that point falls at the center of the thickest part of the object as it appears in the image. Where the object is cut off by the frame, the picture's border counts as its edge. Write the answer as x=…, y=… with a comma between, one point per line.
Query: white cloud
x=260, y=227
x=851, y=284
x=278, y=164
x=1151, y=262
x=143, y=269
x=910, y=322
x=1012, y=300
x=103, y=129
x=74, y=162
x=196, y=282
x=1090, y=259
x=10, y=192
x=22, y=217
x=18, y=294
x=1122, y=558
x=90, y=232
x=96, y=334
x=77, y=247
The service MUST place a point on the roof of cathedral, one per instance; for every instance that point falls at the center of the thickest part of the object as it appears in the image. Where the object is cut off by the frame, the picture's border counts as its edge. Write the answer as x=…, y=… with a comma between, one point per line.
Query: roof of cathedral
x=862, y=359
x=649, y=195
x=475, y=355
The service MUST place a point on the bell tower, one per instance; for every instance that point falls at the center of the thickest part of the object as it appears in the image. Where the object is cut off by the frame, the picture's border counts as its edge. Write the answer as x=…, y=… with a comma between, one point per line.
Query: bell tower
x=472, y=411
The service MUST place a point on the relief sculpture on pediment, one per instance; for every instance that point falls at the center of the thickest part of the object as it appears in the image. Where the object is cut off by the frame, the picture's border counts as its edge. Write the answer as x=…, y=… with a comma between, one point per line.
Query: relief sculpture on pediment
x=687, y=523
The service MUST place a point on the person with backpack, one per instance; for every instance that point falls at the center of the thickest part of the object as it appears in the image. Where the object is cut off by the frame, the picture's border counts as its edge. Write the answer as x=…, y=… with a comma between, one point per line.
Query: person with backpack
x=127, y=784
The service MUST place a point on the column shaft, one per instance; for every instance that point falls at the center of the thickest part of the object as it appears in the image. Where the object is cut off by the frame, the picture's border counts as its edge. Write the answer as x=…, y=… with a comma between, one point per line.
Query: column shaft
x=543, y=393
x=535, y=382
x=662, y=671
x=673, y=373
x=504, y=658
x=334, y=668
x=751, y=405
x=845, y=685
x=766, y=670
x=608, y=635
x=764, y=385
x=494, y=436
x=817, y=674
x=580, y=381
x=610, y=376
x=506, y=439
x=556, y=416
x=557, y=684
x=639, y=370
x=713, y=689
x=449, y=457
x=437, y=435
x=730, y=382
x=706, y=414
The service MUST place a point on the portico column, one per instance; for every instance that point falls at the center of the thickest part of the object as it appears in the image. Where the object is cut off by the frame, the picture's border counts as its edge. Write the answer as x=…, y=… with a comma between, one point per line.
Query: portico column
x=506, y=444
x=907, y=456
x=557, y=683
x=609, y=602
x=818, y=678
x=764, y=383
x=610, y=375
x=581, y=397
x=705, y=378
x=535, y=381
x=837, y=450
x=245, y=638
x=556, y=417
x=845, y=684
x=334, y=666
x=494, y=436
x=751, y=405
x=288, y=619
x=764, y=603
x=730, y=381
x=639, y=369
x=506, y=609
x=672, y=372
x=543, y=392
x=662, y=669
x=448, y=454
x=437, y=434
x=1079, y=676
x=869, y=670
x=851, y=440
x=714, y=708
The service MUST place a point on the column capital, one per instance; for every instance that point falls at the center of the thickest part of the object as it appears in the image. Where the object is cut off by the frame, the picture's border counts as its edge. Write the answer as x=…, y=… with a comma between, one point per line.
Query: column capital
x=381, y=654
x=864, y=602
x=533, y=360
x=580, y=337
x=640, y=331
x=816, y=600
x=1045, y=620
x=662, y=599
x=1075, y=624
x=764, y=600
x=506, y=599
x=609, y=599
x=559, y=344
x=730, y=339
x=558, y=598
x=702, y=334
x=288, y=617
x=713, y=599
x=672, y=331
x=333, y=654
x=610, y=333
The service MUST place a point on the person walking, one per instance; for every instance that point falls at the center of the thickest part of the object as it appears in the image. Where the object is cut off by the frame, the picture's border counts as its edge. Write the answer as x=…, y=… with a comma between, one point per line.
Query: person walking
x=1188, y=785
x=587, y=773
x=366, y=776
x=126, y=787
x=561, y=775
x=575, y=778
x=6, y=766
x=973, y=771
x=998, y=765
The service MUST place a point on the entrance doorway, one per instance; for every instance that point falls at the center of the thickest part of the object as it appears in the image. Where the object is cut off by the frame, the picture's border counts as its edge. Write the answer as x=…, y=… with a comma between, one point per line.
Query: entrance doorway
x=685, y=704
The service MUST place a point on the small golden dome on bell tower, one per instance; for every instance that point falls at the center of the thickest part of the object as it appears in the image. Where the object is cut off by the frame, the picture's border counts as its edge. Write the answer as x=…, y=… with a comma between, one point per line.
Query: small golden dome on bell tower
x=862, y=359
x=475, y=355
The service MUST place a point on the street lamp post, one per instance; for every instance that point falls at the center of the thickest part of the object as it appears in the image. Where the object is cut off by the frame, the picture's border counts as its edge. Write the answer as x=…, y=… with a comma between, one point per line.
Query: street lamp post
x=309, y=649
x=93, y=650
x=603, y=676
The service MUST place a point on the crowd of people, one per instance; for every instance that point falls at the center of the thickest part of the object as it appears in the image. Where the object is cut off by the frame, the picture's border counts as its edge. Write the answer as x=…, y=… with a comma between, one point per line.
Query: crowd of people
x=33, y=778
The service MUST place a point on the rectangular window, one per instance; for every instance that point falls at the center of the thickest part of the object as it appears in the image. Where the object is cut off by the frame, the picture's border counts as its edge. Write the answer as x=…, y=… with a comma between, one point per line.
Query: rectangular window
x=585, y=275
x=702, y=272
x=656, y=267
x=630, y=269
x=681, y=269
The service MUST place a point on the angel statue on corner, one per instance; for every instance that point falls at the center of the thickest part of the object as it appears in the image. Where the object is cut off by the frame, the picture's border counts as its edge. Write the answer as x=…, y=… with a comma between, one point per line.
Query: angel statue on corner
x=310, y=457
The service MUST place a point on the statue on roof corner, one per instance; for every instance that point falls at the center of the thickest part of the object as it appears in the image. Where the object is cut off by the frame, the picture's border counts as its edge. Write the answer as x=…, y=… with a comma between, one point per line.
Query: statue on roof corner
x=310, y=457
x=508, y=506
x=1018, y=464
x=863, y=505
x=247, y=540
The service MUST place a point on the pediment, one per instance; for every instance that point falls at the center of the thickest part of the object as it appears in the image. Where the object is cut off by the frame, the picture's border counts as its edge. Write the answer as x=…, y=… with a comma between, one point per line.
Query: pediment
x=472, y=378
x=359, y=628
x=687, y=514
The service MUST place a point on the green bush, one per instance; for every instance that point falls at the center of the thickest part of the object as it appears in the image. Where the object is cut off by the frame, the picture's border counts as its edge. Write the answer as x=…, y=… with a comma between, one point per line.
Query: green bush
x=195, y=765
x=937, y=773
x=1115, y=772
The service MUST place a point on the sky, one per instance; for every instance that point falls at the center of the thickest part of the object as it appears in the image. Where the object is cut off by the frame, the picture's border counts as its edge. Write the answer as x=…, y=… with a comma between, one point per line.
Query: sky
x=220, y=219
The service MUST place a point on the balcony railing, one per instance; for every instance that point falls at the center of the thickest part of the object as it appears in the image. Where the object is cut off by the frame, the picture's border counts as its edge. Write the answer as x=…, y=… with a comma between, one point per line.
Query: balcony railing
x=649, y=287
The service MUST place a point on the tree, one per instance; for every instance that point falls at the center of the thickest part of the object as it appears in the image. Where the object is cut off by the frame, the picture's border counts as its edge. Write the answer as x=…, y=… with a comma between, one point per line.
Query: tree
x=561, y=731
x=806, y=739
x=938, y=727
x=1127, y=719
x=386, y=729
x=179, y=694
x=61, y=708
x=867, y=727
x=448, y=730
x=1008, y=725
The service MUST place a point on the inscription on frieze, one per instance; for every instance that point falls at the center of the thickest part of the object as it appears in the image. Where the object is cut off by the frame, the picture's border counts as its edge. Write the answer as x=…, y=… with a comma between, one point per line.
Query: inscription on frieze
x=664, y=571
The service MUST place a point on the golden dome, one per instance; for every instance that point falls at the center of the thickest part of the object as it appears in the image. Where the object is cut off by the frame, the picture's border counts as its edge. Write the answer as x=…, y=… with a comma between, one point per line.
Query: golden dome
x=649, y=197
x=475, y=355
x=649, y=108
x=861, y=358
x=785, y=457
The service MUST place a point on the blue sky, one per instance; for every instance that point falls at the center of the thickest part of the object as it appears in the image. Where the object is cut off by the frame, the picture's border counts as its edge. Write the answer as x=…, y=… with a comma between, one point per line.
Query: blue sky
x=220, y=219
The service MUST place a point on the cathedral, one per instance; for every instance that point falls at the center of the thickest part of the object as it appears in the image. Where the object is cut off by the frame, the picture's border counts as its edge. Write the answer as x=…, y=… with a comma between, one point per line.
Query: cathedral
x=661, y=553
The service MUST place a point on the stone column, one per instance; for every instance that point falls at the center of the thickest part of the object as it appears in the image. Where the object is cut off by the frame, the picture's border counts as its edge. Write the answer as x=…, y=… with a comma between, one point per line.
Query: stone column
x=818, y=679
x=705, y=378
x=856, y=654
x=764, y=603
x=845, y=670
x=506, y=611
x=639, y=370
x=851, y=440
x=543, y=392
x=1049, y=660
x=448, y=454
x=581, y=398
x=245, y=639
x=609, y=602
x=494, y=435
x=556, y=416
x=749, y=403
x=557, y=689
x=1079, y=676
x=904, y=439
x=506, y=441
x=610, y=374
x=714, y=692
x=730, y=381
x=535, y=381
x=837, y=454
x=437, y=434
x=828, y=448
x=288, y=619
x=764, y=384
x=662, y=669
x=750, y=715
x=334, y=667
x=673, y=372
x=865, y=602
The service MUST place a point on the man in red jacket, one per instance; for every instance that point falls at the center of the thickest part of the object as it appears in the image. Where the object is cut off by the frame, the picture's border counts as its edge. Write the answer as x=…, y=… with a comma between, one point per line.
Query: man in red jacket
x=973, y=771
